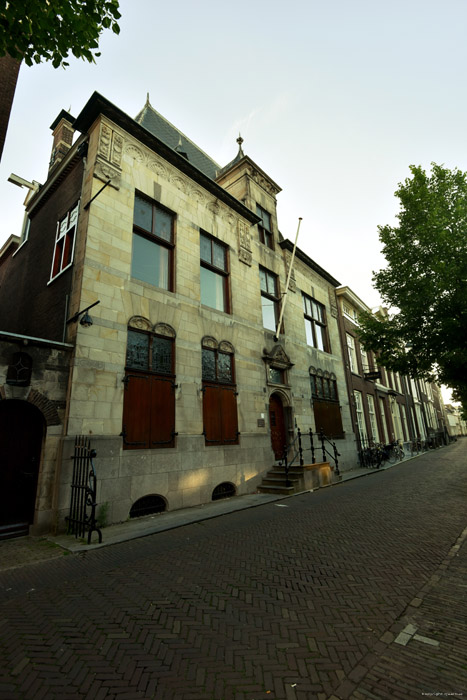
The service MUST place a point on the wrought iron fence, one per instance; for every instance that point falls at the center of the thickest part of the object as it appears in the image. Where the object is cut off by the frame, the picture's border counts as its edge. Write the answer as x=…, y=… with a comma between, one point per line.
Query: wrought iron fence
x=82, y=517
x=297, y=447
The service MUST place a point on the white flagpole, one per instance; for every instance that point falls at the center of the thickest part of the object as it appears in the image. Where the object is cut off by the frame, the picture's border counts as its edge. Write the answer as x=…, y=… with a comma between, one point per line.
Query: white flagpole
x=276, y=337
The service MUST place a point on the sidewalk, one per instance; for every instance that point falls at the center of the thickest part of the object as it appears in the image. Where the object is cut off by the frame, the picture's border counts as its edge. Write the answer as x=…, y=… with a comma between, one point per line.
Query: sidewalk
x=29, y=550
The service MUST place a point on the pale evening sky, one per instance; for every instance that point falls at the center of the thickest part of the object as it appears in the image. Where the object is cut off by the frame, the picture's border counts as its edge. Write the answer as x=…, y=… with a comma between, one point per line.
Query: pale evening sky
x=334, y=99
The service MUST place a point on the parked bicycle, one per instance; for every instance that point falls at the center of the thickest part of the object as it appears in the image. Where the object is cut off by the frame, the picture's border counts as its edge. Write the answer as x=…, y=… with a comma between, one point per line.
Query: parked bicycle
x=394, y=452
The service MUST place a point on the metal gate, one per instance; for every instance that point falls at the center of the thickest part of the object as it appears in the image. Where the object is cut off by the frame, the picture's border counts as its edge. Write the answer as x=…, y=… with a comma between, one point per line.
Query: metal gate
x=82, y=516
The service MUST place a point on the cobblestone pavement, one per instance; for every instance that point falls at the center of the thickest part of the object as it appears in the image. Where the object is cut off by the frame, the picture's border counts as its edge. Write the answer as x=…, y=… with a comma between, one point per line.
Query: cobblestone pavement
x=358, y=591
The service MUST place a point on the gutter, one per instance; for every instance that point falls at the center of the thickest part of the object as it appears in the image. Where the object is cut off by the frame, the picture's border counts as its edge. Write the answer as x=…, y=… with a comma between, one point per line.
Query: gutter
x=32, y=339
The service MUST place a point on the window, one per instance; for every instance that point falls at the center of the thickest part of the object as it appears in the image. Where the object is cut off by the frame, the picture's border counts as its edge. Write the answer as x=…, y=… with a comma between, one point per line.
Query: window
x=352, y=353
x=383, y=420
x=149, y=395
x=219, y=393
x=269, y=298
x=64, y=242
x=360, y=415
x=325, y=401
x=265, y=227
x=372, y=414
x=214, y=273
x=315, y=324
x=153, y=244
x=19, y=370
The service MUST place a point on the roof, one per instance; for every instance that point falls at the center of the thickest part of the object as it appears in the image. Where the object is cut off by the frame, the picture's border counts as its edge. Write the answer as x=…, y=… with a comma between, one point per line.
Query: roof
x=99, y=105
x=160, y=127
x=288, y=245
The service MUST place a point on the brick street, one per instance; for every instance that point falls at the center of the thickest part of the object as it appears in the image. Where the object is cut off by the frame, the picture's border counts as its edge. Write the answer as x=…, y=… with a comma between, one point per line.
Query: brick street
x=355, y=591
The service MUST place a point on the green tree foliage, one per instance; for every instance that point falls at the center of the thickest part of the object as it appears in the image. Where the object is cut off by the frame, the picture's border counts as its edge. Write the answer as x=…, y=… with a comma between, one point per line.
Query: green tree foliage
x=425, y=282
x=47, y=30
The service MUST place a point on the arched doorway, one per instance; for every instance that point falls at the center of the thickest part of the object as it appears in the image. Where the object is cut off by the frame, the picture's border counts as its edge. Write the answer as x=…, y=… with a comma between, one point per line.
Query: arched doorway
x=277, y=425
x=21, y=433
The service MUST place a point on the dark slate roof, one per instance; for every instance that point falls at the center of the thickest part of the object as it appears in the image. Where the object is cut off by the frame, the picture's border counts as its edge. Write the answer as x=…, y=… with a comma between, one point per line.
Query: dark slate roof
x=158, y=126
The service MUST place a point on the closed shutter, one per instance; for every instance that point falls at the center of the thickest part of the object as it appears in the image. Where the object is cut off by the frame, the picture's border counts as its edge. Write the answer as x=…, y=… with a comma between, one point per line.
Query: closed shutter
x=212, y=415
x=229, y=415
x=148, y=412
x=220, y=415
x=136, y=411
x=328, y=418
x=162, y=412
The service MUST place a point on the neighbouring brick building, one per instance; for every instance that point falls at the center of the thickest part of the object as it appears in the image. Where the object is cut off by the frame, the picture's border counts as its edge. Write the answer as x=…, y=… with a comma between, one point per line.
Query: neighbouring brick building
x=181, y=382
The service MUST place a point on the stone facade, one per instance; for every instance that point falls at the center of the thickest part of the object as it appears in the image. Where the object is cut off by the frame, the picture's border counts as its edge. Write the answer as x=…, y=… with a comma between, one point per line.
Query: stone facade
x=120, y=160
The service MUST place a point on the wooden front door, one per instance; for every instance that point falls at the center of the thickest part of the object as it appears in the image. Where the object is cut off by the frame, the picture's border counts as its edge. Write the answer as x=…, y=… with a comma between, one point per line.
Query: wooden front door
x=277, y=425
x=21, y=433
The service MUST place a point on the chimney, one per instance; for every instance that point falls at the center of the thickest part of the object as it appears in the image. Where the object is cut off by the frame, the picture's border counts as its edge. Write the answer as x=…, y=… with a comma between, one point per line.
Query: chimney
x=63, y=132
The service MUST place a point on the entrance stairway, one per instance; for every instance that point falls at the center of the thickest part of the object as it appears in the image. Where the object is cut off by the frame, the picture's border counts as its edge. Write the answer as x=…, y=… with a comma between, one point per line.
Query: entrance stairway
x=306, y=478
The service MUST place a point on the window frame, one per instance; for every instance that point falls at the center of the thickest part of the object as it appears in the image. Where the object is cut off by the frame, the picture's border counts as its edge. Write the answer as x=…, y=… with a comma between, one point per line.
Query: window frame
x=220, y=410
x=266, y=235
x=224, y=273
x=352, y=354
x=325, y=401
x=265, y=294
x=155, y=239
x=155, y=380
x=66, y=229
x=314, y=322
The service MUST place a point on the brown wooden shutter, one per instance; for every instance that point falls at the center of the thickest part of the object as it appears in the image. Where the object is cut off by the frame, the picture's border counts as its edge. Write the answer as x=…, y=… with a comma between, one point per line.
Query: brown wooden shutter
x=162, y=418
x=328, y=418
x=212, y=414
x=136, y=409
x=229, y=415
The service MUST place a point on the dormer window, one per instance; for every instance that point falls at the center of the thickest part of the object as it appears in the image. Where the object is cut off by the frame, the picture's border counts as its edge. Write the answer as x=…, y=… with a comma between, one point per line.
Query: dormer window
x=265, y=227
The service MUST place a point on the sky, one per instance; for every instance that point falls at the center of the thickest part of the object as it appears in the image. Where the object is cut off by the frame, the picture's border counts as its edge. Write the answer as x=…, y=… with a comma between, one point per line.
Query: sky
x=334, y=99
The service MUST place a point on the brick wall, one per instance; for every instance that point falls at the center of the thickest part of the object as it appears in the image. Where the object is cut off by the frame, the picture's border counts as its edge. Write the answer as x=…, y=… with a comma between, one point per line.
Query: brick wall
x=28, y=304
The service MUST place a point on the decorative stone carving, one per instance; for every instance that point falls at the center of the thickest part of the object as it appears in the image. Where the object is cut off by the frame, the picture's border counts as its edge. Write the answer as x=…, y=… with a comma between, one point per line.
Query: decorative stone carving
x=104, y=171
x=117, y=149
x=209, y=342
x=105, y=139
x=244, y=235
x=134, y=152
x=277, y=357
x=225, y=346
x=179, y=183
x=164, y=329
x=109, y=156
x=139, y=322
x=244, y=243
x=245, y=256
x=214, y=207
x=198, y=195
x=157, y=167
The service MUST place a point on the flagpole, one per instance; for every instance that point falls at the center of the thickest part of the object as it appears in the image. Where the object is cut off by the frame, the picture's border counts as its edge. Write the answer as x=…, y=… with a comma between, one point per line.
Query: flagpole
x=276, y=337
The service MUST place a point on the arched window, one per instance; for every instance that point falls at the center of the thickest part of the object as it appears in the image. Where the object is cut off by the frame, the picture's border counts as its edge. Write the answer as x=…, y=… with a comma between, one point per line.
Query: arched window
x=219, y=393
x=149, y=397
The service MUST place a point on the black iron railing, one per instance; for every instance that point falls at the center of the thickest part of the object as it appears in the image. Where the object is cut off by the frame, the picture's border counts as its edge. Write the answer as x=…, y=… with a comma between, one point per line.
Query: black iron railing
x=296, y=448
x=83, y=504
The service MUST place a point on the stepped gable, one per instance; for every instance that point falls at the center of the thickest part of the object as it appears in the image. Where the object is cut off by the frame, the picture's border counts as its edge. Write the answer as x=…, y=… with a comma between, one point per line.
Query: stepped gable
x=158, y=126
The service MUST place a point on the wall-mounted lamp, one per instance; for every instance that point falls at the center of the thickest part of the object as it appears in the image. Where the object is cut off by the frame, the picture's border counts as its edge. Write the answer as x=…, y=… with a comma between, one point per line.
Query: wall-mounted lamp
x=86, y=319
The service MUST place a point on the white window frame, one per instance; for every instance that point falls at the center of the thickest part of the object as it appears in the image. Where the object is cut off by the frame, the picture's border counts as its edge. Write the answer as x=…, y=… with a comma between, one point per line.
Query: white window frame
x=372, y=415
x=64, y=227
x=352, y=351
x=383, y=421
x=360, y=414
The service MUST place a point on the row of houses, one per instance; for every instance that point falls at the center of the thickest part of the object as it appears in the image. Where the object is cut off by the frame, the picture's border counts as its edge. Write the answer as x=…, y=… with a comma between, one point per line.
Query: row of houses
x=151, y=305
